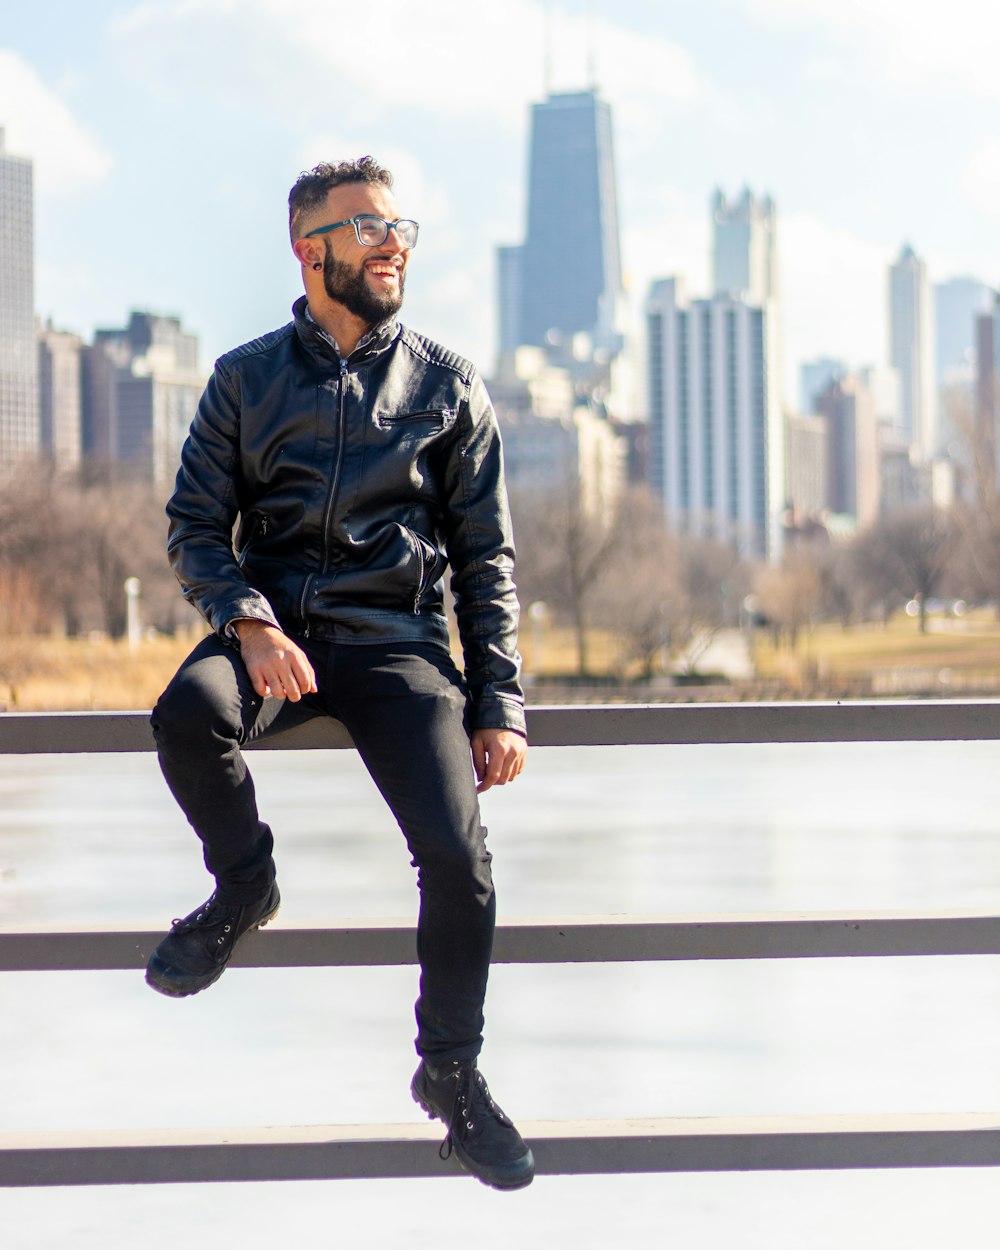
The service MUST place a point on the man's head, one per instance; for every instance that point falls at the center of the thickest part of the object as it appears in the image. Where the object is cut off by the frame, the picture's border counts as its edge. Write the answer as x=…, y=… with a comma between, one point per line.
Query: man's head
x=367, y=280
x=307, y=198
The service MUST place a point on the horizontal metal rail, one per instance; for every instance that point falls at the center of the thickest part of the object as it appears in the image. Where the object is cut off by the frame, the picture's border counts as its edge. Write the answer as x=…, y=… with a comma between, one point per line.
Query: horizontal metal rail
x=627, y=724
x=580, y=939
x=583, y=1147
x=350, y=1152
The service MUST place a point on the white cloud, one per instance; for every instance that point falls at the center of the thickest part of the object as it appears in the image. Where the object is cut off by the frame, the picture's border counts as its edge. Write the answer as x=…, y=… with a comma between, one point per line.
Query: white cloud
x=39, y=125
x=916, y=43
x=441, y=56
x=981, y=179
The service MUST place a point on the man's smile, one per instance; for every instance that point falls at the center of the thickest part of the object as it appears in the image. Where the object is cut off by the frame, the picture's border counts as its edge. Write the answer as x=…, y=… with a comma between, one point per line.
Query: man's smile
x=385, y=271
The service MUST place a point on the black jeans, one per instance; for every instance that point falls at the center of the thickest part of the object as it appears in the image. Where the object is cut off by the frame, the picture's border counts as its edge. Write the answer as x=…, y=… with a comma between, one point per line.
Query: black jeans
x=405, y=706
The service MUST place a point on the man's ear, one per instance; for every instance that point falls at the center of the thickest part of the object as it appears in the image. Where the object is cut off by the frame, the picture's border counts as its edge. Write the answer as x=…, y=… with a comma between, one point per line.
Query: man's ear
x=308, y=252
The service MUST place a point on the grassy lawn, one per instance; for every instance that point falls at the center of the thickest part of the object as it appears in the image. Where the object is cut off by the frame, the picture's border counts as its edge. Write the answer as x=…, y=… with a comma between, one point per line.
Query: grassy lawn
x=49, y=674
x=74, y=674
x=970, y=645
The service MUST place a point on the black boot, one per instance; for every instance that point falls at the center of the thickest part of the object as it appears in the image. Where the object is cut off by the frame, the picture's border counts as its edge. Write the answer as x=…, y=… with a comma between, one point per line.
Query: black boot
x=483, y=1138
x=195, y=952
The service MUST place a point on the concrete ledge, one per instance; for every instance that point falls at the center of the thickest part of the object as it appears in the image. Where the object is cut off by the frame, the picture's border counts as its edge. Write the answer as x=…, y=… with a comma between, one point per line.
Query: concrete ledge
x=573, y=939
x=889, y=720
x=569, y=1148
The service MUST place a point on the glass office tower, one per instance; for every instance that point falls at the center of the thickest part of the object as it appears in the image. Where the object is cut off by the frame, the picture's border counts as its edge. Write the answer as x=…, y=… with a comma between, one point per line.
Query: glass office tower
x=19, y=425
x=569, y=280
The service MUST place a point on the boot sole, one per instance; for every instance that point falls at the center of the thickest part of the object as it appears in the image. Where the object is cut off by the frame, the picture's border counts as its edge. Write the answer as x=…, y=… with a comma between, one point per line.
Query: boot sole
x=158, y=968
x=494, y=1182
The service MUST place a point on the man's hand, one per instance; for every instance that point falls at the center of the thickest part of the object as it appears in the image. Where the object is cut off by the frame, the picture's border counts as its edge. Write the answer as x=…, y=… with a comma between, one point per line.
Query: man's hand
x=498, y=756
x=277, y=667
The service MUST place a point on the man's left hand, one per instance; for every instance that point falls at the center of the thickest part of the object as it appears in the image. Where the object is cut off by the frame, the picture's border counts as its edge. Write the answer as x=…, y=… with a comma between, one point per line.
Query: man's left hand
x=498, y=756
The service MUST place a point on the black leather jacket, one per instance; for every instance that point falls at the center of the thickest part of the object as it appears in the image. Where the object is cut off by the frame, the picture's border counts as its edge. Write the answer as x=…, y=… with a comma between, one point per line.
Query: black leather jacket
x=357, y=481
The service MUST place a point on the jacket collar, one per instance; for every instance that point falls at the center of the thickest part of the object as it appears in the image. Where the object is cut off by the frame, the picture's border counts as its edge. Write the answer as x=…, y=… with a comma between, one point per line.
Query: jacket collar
x=378, y=339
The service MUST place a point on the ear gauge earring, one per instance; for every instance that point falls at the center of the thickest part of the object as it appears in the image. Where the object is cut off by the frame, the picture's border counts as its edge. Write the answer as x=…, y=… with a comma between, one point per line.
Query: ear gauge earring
x=317, y=264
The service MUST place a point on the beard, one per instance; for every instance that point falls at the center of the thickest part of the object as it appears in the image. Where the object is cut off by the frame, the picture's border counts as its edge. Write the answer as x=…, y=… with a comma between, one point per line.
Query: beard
x=348, y=286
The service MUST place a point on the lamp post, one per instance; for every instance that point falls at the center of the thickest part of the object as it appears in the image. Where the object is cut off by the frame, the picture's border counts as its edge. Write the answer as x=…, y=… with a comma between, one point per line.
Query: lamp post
x=133, y=626
x=537, y=614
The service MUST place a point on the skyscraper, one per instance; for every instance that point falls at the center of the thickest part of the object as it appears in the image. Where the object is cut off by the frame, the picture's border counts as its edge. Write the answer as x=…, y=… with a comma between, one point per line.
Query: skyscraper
x=815, y=376
x=910, y=351
x=853, y=464
x=744, y=247
x=716, y=439
x=19, y=432
x=957, y=304
x=59, y=396
x=987, y=401
x=565, y=279
x=141, y=388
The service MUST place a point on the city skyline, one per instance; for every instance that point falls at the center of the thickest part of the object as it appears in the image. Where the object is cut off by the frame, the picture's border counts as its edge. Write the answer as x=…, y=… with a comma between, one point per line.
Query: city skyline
x=176, y=202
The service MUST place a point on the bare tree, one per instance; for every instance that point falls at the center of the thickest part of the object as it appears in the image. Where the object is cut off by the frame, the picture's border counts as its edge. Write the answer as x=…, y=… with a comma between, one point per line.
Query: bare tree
x=978, y=520
x=906, y=554
x=790, y=595
x=562, y=553
x=79, y=537
x=22, y=617
x=639, y=588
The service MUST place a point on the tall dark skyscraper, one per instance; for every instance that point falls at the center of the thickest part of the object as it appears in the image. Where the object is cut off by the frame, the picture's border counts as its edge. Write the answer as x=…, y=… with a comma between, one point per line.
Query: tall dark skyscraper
x=565, y=279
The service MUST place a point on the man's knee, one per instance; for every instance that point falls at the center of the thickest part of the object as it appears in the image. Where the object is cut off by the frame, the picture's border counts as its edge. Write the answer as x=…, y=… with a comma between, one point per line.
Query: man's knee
x=456, y=865
x=202, y=701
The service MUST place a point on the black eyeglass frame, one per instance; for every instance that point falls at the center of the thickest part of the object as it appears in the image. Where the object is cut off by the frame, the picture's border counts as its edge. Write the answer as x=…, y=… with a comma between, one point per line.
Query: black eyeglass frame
x=387, y=225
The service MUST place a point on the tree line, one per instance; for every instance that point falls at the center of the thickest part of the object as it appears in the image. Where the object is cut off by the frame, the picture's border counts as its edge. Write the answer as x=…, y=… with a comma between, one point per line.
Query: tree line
x=68, y=543
x=664, y=595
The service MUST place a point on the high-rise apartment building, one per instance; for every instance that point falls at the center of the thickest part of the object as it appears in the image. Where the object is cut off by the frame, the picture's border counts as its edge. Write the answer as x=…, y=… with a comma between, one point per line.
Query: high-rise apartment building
x=805, y=453
x=19, y=431
x=564, y=280
x=553, y=442
x=716, y=439
x=987, y=400
x=744, y=247
x=141, y=386
x=853, y=450
x=911, y=352
x=59, y=396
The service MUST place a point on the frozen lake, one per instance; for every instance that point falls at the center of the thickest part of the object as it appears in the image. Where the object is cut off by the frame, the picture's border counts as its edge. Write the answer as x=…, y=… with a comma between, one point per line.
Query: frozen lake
x=95, y=840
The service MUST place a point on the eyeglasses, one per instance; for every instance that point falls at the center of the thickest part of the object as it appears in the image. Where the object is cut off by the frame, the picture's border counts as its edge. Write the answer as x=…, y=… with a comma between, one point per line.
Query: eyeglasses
x=373, y=231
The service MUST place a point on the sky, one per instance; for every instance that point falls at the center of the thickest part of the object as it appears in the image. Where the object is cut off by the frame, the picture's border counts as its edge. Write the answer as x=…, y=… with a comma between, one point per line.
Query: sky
x=166, y=133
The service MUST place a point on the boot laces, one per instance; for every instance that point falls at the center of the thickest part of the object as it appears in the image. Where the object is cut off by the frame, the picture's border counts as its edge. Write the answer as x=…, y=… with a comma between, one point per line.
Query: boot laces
x=210, y=914
x=472, y=1109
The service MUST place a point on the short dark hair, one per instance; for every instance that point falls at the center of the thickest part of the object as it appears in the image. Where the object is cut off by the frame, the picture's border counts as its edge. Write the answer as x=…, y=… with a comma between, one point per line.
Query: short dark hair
x=311, y=187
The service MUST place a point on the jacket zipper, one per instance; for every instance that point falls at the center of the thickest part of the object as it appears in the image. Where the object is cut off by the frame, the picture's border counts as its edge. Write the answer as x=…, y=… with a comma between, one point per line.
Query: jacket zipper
x=420, y=577
x=331, y=495
x=258, y=530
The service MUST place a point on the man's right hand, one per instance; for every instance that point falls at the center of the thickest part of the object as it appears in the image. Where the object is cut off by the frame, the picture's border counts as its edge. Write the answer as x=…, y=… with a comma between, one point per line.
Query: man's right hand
x=277, y=667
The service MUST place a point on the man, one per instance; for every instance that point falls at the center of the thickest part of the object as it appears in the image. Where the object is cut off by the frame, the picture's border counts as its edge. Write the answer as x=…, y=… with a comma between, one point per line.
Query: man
x=361, y=459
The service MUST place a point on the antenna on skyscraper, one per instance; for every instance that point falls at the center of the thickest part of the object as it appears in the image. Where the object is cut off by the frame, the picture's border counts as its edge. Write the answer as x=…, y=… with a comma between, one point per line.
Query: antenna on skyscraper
x=591, y=53
x=547, y=48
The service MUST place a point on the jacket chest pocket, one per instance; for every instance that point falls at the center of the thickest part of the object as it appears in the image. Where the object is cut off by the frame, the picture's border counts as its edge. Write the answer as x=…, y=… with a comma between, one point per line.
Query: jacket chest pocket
x=416, y=426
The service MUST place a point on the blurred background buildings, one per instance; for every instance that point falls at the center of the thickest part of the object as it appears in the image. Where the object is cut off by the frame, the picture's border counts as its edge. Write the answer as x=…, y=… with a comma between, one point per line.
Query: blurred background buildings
x=687, y=402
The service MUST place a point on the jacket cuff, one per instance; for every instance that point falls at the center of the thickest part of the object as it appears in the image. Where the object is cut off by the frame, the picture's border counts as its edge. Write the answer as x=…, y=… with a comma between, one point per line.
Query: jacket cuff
x=250, y=608
x=499, y=713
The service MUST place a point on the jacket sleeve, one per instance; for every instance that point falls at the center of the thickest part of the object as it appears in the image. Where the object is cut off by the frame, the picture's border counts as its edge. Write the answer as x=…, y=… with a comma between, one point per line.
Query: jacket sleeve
x=480, y=549
x=203, y=509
